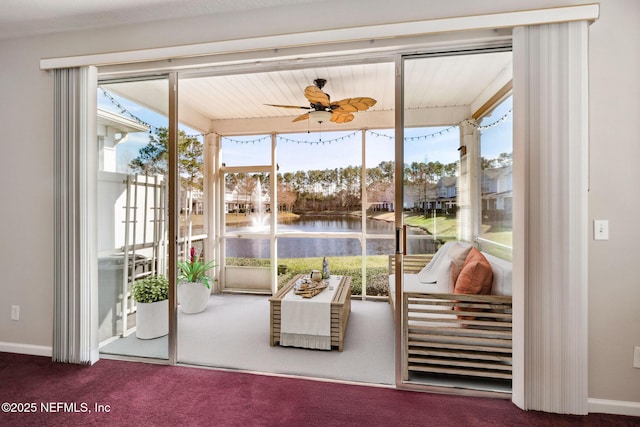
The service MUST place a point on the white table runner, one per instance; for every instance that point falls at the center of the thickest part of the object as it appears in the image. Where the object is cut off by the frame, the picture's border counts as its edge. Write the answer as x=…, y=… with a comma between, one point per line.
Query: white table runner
x=306, y=322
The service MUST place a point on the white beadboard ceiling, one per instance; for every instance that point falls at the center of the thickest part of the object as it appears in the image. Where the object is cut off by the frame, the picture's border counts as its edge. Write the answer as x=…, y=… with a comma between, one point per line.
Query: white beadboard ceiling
x=439, y=91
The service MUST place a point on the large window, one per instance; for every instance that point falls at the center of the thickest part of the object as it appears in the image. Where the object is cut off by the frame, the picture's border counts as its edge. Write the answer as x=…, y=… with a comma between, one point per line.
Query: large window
x=320, y=190
x=496, y=232
x=247, y=212
x=431, y=199
x=132, y=194
x=319, y=205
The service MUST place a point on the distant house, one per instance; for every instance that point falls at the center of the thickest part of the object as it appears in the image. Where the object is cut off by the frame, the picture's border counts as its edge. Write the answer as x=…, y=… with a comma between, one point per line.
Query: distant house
x=235, y=202
x=497, y=192
x=193, y=197
x=447, y=193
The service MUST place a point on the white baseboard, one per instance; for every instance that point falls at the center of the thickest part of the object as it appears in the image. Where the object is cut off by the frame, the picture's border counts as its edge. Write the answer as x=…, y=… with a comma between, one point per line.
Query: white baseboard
x=34, y=350
x=618, y=407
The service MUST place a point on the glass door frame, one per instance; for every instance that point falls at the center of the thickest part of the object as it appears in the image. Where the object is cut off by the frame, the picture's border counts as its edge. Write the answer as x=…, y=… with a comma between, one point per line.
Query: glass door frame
x=400, y=228
x=399, y=220
x=170, y=79
x=173, y=217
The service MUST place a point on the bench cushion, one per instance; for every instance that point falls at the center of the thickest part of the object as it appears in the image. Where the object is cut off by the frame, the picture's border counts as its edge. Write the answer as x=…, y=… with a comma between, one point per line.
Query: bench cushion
x=501, y=275
x=412, y=283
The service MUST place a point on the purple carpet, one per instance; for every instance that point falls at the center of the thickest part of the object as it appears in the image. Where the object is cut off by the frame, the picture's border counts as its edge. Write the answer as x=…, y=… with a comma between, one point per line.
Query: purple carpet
x=117, y=393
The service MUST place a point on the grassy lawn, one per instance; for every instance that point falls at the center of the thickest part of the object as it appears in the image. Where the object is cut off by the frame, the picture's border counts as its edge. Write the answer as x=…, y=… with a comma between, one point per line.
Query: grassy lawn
x=503, y=237
x=443, y=227
x=377, y=270
x=446, y=229
x=243, y=218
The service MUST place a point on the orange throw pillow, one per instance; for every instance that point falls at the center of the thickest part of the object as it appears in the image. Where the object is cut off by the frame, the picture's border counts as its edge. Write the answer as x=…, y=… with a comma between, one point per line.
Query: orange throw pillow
x=476, y=275
x=476, y=278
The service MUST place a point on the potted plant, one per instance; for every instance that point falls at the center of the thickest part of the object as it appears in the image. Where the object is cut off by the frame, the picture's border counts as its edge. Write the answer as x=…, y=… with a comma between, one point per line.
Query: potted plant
x=194, y=285
x=152, y=315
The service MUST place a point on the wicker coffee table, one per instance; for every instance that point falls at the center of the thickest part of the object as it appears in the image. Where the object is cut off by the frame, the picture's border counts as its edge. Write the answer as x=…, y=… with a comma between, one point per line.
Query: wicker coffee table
x=340, y=309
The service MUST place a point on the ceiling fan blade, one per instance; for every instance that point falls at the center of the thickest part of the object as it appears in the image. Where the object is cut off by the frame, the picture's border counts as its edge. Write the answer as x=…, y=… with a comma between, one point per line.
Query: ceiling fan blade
x=338, y=116
x=316, y=96
x=354, y=104
x=305, y=116
x=288, y=106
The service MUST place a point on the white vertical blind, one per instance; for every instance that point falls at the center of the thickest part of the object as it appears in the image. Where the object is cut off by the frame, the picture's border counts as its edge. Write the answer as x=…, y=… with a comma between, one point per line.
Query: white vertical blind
x=75, y=279
x=551, y=141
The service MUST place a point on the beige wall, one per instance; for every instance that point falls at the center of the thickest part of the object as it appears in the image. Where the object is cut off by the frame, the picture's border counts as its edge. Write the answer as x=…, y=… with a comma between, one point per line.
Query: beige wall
x=614, y=285
x=27, y=167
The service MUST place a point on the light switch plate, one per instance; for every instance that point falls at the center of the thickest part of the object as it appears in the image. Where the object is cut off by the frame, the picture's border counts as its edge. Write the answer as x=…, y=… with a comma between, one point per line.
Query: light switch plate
x=601, y=229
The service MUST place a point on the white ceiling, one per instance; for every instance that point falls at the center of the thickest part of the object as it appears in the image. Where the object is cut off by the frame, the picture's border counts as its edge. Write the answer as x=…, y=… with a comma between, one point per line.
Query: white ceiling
x=439, y=91
x=30, y=17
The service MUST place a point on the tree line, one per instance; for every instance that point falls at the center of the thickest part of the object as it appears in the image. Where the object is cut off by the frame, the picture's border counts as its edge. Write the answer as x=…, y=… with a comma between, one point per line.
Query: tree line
x=311, y=190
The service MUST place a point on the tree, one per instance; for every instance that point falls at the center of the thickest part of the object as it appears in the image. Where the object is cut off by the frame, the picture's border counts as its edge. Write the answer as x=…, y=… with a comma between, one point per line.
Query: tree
x=245, y=187
x=505, y=159
x=153, y=158
x=286, y=196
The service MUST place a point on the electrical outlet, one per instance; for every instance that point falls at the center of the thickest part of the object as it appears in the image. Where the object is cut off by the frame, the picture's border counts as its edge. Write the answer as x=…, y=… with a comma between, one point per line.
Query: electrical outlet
x=15, y=312
x=636, y=357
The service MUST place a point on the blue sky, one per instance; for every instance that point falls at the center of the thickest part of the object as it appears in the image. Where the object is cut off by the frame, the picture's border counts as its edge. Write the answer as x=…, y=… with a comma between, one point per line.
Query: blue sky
x=304, y=151
x=341, y=149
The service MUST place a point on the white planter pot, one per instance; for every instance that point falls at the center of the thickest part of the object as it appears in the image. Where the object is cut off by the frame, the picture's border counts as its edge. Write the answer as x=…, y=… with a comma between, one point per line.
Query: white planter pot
x=193, y=297
x=152, y=319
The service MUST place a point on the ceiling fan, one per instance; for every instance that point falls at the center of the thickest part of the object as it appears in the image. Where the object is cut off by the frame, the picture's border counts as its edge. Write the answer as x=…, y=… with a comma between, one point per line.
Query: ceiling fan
x=322, y=109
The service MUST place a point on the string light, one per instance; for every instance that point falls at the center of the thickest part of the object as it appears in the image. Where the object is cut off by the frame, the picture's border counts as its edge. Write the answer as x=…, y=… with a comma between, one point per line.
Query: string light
x=251, y=141
x=122, y=109
x=152, y=128
x=326, y=141
x=441, y=132
x=497, y=122
x=448, y=129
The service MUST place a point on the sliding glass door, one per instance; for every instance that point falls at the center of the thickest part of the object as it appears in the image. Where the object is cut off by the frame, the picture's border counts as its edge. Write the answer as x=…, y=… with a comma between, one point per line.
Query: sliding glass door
x=455, y=182
x=133, y=217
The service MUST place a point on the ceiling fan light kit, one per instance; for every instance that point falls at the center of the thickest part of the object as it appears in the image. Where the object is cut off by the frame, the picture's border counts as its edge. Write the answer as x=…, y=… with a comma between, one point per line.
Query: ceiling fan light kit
x=320, y=116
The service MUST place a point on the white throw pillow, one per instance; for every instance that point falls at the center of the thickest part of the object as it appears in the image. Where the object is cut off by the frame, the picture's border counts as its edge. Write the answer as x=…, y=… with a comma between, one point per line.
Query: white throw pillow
x=439, y=269
x=440, y=261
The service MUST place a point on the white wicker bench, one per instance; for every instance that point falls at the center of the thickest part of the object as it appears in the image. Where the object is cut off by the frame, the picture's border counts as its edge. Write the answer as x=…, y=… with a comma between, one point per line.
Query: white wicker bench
x=473, y=341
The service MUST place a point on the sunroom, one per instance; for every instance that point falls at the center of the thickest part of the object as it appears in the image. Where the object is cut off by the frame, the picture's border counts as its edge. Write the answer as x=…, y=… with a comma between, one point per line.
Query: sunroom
x=417, y=100
x=340, y=176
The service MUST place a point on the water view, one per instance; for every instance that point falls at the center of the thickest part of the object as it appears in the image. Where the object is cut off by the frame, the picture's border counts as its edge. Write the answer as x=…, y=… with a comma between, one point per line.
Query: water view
x=297, y=247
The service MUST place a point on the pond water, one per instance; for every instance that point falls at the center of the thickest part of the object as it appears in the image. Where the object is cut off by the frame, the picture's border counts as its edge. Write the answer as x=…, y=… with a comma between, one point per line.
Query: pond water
x=297, y=247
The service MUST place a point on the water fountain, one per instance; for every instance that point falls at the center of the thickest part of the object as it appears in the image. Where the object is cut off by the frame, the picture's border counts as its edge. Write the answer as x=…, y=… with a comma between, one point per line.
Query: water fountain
x=259, y=218
x=252, y=278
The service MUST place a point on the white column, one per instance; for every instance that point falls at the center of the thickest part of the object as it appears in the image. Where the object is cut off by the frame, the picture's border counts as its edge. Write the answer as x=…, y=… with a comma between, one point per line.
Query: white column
x=467, y=199
x=363, y=211
x=210, y=202
x=550, y=222
x=273, y=221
